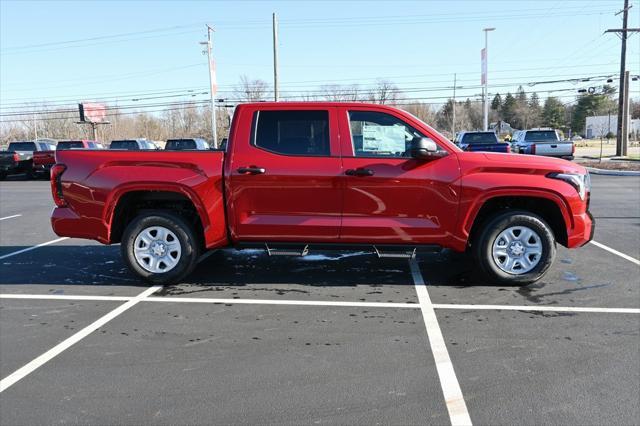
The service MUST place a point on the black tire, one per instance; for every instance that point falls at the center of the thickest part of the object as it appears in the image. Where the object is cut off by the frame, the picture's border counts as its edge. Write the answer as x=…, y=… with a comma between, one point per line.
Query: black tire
x=3, y=176
x=482, y=247
x=186, y=237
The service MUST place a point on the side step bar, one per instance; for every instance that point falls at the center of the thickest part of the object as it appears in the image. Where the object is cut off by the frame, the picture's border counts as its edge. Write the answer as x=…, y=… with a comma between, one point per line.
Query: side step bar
x=282, y=251
x=397, y=251
x=408, y=254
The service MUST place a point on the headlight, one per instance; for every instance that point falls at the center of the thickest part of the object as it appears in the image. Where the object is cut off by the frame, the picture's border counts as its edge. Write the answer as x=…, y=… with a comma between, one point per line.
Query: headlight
x=582, y=183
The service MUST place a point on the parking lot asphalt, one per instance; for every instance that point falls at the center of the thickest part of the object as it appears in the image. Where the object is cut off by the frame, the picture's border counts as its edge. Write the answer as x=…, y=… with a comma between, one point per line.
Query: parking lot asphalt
x=336, y=338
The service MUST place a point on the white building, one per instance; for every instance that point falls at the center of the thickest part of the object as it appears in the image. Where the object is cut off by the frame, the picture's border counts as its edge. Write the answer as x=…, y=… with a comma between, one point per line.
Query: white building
x=600, y=125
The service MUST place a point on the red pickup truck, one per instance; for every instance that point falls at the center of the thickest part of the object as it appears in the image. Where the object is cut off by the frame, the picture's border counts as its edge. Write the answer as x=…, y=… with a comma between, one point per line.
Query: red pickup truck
x=299, y=177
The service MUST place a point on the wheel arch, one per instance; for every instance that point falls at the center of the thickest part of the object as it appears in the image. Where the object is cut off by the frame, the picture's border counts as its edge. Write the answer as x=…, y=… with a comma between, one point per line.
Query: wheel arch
x=548, y=206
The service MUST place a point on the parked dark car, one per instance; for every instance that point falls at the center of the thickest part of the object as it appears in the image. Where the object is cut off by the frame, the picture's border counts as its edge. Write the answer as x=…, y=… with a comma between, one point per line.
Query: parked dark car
x=18, y=158
x=186, y=144
x=481, y=141
x=133, y=144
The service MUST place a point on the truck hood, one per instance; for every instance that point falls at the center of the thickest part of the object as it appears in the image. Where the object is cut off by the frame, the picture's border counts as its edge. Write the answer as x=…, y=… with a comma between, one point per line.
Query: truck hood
x=515, y=163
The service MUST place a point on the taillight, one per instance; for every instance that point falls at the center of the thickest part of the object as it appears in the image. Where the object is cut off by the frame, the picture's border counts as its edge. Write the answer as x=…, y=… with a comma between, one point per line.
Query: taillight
x=56, y=184
x=508, y=149
x=16, y=157
x=533, y=149
x=573, y=148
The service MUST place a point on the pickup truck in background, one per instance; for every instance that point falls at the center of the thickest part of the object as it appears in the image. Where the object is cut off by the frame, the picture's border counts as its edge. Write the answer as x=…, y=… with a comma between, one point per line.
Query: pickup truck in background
x=481, y=141
x=18, y=158
x=133, y=145
x=186, y=144
x=44, y=160
x=545, y=142
x=300, y=177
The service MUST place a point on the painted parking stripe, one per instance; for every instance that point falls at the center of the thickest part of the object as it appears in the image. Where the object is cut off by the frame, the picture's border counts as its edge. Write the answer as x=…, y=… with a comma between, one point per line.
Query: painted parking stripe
x=67, y=343
x=282, y=302
x=537, y=308
x=10, y=217
x=533, y=308
x=616, y=252
x=65, y=297
x=33, y=247
x=457, y=408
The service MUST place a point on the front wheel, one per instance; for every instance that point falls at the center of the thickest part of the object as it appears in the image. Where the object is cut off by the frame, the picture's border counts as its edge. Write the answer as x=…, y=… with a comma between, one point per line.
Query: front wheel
x=159, y=247
x=514, y=247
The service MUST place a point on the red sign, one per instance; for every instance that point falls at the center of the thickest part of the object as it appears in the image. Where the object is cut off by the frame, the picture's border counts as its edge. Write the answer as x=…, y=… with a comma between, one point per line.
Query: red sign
x=92, y=112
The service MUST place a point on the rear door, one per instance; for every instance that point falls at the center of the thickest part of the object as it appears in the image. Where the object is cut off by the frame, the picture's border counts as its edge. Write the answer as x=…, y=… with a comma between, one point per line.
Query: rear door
x=284, y=175
x=390, y=197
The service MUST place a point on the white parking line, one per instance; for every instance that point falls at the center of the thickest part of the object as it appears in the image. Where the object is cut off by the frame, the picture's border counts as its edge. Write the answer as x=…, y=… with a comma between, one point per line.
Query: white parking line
x=457, y=408
x=10, y=217
x=528, y=308
x=65, y=297
x=33, y=247
x=67, y=343
x=616, y=252
x=282, y=302
x=538, y=308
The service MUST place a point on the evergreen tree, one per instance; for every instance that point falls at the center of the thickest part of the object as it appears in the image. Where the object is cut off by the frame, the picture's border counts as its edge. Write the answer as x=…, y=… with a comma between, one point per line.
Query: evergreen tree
x=496, y=103
x=553, y=113
x=508, y=110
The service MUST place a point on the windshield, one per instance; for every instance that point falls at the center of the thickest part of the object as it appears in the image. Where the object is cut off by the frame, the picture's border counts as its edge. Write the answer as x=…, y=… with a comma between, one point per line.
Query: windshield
x=180, y=144
x=22, y=146
x=70, y=145
x=485, y=137
x=541, y=135
x=130, y=145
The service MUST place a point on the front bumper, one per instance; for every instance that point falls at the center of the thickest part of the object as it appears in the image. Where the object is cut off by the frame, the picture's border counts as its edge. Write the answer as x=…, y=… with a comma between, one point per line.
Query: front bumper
x=583, y=230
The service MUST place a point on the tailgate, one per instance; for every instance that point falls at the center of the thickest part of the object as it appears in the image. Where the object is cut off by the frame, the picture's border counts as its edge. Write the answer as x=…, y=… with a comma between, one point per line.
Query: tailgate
x=554, y=149
x=44, y=158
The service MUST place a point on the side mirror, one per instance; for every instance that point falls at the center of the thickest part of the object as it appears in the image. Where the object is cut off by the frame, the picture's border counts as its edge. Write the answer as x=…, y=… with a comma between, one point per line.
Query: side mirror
x=422, y=148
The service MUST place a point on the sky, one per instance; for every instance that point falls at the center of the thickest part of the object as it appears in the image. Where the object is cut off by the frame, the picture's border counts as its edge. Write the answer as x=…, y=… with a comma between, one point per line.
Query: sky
x=64, y=52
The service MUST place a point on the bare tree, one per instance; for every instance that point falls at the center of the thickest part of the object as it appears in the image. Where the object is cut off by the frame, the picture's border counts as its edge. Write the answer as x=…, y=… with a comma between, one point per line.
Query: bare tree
x=251, y=90
x=385, y=92
x=340, y=93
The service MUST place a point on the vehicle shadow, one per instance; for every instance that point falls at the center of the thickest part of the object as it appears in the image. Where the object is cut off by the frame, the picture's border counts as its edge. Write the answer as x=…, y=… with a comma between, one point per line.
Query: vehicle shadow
x=102, y=265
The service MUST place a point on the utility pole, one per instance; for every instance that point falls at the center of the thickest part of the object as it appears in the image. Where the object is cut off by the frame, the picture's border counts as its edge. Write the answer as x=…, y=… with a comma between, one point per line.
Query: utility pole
x=275, y=57
x=213, y=86
x=625, y=115
x=453, y=122
x=485, y=91
x=622, y=131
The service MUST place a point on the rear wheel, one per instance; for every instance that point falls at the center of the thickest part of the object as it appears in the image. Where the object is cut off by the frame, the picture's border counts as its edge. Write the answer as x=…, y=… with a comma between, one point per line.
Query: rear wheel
x=159, y=247
x=514, y=247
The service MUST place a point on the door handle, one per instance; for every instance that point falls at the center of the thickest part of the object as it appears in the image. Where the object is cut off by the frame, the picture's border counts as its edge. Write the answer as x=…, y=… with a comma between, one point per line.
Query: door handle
x=253, y=170
x=359, y=172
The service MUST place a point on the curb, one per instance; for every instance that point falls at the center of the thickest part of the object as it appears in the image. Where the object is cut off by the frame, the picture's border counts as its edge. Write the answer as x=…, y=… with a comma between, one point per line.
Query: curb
x=612, y=172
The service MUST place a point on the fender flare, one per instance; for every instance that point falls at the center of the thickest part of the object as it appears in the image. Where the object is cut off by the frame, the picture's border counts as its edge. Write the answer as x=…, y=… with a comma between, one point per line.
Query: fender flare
x=118, y=192
x=469, y=219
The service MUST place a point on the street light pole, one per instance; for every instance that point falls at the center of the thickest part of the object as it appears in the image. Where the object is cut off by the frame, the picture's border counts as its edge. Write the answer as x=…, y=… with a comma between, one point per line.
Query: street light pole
x=485, y=79
x=212, y=84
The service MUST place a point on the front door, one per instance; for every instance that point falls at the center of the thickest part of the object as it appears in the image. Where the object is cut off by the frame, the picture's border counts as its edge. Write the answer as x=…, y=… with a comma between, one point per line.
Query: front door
x=391, y=198
x=285, y=176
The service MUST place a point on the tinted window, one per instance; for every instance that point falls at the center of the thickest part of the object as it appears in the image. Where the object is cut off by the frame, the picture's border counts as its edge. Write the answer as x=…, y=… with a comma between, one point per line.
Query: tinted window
x=180, y=144
x=541, y=135
x=293, y=132
x=21, y=146
x=70, y=145
x=380, y=135
x=130, y=145
x=480, y=138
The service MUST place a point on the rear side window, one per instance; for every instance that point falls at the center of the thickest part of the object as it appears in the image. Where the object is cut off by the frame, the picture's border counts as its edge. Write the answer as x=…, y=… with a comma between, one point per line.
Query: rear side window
x=130, y=145
x=488, y=137
x=70, y=145
x=180, y=144
x=541, y=135
x=21, y=146
x=303, y=133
